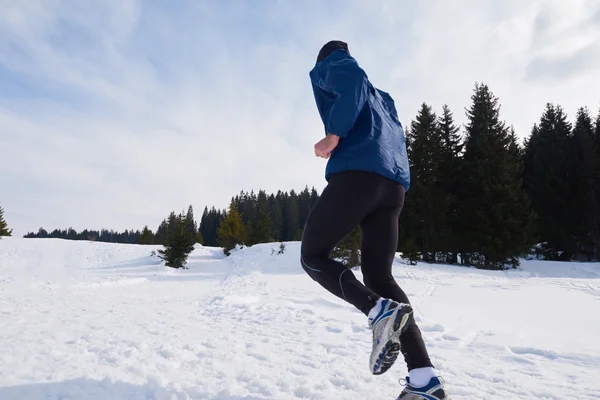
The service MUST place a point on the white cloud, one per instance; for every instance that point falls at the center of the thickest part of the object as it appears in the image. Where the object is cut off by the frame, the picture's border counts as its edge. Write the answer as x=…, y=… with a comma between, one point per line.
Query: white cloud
x=113, y=114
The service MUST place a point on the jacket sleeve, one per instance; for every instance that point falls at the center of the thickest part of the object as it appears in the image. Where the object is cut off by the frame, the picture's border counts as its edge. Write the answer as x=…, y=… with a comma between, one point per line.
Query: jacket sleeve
x=349, y=85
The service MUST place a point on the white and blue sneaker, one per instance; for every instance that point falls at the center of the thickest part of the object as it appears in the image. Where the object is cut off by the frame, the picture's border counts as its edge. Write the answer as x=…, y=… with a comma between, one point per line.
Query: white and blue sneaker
x=434, y=390
x=388, y=320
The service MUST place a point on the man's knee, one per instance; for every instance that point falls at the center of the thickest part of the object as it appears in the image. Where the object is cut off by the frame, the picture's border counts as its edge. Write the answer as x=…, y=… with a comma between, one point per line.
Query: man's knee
x=310, y=266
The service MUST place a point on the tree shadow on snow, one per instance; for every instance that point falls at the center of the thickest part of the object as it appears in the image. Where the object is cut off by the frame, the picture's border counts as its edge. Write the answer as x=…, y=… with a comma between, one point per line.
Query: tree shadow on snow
x=89, y=389
x=133, y=264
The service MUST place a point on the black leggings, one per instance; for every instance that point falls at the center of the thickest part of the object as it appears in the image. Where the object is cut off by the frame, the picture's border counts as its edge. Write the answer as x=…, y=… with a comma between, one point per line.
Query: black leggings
x=374, y=203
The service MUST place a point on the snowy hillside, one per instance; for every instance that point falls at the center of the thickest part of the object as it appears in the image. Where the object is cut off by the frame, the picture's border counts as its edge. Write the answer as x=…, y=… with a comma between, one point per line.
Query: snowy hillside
x=83, y=320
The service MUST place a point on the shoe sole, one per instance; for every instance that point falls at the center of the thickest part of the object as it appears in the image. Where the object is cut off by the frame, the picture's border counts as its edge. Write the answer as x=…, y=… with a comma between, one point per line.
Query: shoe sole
x=412, y=394
x=391, y=349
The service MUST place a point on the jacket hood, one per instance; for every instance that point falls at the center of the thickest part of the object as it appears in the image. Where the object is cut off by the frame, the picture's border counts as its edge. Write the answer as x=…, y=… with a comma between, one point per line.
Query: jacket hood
x=330, y=47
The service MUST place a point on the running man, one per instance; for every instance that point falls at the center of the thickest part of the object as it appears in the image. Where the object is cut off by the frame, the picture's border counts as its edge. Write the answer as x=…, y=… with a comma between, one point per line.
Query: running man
x=367, y=176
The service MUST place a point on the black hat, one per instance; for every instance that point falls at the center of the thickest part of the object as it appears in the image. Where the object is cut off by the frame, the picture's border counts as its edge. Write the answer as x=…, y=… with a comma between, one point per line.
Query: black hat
x=330, y=47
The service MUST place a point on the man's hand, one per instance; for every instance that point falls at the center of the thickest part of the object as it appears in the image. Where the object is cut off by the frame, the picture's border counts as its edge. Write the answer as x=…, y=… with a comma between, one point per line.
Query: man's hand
x=324, y=147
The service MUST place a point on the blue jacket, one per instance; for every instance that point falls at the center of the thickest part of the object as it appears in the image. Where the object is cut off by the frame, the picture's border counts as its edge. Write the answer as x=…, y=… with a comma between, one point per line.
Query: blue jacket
x=365, y=119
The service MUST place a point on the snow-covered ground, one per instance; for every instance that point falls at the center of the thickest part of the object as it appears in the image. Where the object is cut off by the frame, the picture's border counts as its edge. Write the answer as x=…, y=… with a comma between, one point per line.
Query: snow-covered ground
x=83, y=320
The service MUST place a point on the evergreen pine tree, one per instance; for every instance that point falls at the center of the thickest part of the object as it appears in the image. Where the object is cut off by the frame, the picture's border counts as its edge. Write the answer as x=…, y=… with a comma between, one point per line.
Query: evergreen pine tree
x=215, y=218
x=521, y=237
x=208, y=227
x=161, y=233
x=4, y=231
x=582, y=165
x=291, y=221
x=179, y=244
x=492, y=205
x=448, y=172
x=275, y=211
x=408, y=219
x=172, y=225
x=146, y=236
x=191, y=227
x=546, y=179
x=304, y=206
x=231, y=231
x=261, y=226
x=246, y=205
x=596, y=235
x=597, y=132
x=424, y=224
x=532, y=145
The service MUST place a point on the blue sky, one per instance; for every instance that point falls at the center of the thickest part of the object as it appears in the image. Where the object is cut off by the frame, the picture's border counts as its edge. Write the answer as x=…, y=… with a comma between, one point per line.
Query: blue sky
x=103, y=102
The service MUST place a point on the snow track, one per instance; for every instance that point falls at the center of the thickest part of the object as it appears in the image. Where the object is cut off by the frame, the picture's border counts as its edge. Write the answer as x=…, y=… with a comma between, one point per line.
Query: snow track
x=99, y=321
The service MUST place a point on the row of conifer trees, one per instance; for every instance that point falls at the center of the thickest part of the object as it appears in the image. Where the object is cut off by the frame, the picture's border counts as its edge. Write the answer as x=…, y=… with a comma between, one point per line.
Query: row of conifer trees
x=477, y=196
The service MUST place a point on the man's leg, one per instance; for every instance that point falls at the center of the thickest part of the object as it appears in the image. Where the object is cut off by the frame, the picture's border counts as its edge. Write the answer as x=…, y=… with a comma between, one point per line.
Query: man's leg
x=379, y=243
x=341, y=206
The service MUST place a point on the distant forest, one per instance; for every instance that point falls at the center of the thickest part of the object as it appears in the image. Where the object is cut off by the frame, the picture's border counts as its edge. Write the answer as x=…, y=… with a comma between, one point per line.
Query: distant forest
x=263, y=218
x=477, y=197
x=104, y=235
